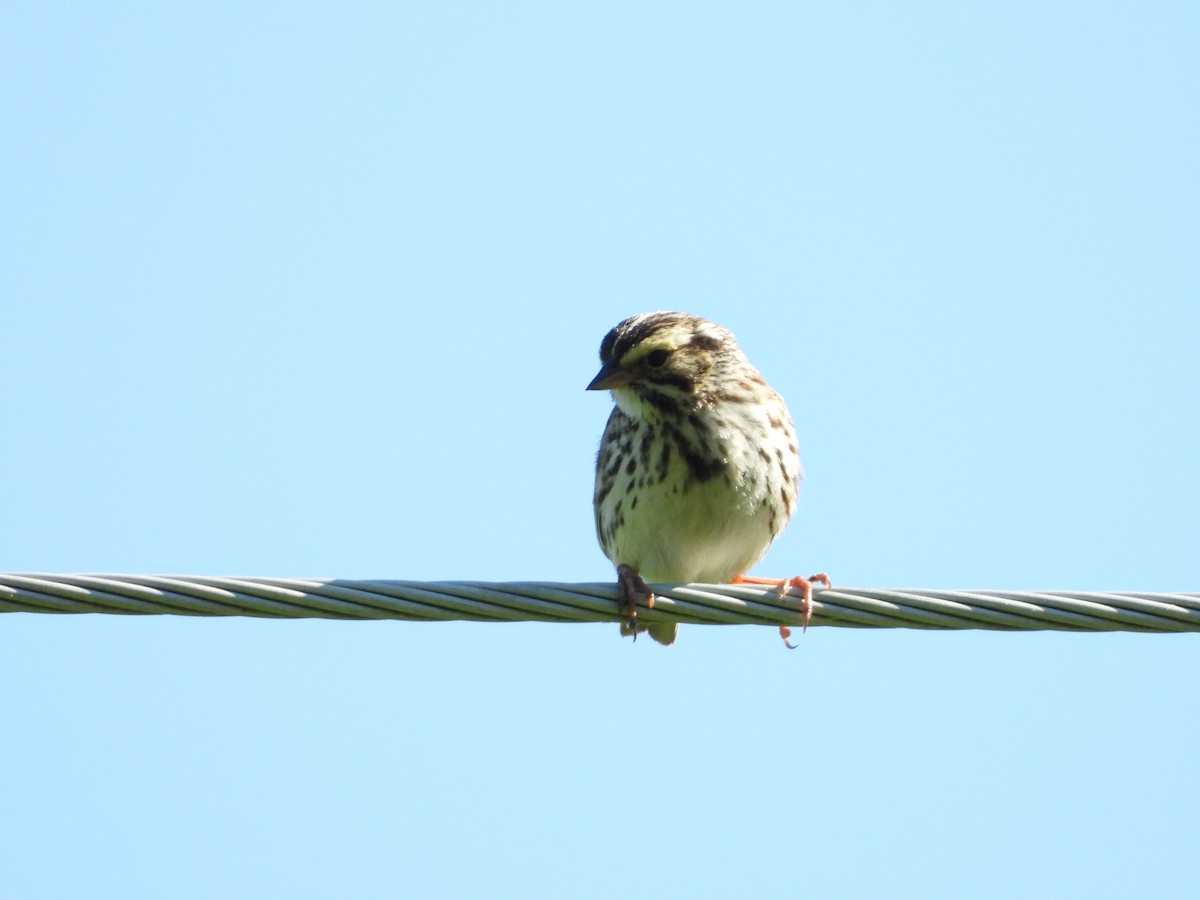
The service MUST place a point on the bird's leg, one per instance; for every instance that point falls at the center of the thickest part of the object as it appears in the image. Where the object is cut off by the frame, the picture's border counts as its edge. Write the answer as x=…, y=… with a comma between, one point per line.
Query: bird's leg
x=805, y=585
x=629, y=585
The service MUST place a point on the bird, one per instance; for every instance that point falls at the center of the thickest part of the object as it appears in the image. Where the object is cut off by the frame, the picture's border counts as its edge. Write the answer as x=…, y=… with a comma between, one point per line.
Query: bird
x=698, y=468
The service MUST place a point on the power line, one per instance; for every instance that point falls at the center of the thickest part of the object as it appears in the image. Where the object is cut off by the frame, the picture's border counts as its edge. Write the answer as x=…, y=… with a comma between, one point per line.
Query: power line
x=291, y=598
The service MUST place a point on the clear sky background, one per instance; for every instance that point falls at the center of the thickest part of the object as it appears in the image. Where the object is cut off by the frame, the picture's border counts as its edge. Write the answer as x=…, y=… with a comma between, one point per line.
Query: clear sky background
x=314, y=290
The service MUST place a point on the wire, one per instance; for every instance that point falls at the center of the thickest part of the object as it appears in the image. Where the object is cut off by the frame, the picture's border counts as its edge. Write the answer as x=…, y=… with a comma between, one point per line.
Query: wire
x=292, y=598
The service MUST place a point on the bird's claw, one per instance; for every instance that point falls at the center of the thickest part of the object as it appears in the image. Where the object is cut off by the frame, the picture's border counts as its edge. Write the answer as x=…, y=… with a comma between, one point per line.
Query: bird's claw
x=629, y=585
x=805, y=585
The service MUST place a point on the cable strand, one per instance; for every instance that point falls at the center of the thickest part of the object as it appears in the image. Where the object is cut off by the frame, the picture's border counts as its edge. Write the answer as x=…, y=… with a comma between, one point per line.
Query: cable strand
x=708, y=604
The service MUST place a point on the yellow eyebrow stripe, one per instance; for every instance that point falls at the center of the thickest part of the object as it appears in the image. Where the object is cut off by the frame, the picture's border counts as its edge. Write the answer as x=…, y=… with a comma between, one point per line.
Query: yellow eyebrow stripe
x=663, y=340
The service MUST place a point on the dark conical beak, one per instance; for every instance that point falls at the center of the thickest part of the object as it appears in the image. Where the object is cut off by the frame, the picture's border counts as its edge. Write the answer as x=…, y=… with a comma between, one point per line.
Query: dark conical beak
x=610, y=376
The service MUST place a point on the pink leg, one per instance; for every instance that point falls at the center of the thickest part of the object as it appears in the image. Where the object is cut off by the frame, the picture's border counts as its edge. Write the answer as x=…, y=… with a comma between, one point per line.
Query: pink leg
x=805, y=585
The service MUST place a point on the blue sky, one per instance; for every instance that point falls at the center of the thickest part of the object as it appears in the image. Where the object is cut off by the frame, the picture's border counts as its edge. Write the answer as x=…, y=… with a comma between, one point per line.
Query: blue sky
x=308, y=290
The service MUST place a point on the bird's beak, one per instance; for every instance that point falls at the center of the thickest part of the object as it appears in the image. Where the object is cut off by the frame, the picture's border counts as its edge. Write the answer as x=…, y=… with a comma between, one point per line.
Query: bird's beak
x=610, y=376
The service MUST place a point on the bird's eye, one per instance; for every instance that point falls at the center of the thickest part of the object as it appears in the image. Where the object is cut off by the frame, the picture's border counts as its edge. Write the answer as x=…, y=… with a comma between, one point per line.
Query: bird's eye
x=655, y=358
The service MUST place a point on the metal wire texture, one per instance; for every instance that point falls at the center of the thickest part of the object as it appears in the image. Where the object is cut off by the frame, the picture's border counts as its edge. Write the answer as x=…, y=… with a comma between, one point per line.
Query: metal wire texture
x=707, y=604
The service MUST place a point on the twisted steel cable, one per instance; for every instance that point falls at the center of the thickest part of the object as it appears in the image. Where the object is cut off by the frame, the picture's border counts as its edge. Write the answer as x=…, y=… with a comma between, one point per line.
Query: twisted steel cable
x=292, y=598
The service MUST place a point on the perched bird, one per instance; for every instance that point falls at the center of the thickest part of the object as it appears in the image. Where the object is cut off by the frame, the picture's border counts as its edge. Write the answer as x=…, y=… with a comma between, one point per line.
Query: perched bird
x=698, y=471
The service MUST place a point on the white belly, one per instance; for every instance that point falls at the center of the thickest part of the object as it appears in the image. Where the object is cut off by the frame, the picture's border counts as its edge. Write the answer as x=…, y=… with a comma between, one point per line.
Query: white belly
x=708, y=533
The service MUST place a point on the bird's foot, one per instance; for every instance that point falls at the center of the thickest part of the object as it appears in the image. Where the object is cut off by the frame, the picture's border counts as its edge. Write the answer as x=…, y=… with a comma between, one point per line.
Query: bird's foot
x=629, y=585
x=805, y=585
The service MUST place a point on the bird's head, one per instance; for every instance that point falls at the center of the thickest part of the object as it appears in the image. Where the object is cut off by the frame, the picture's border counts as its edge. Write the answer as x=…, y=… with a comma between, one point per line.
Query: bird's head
x=666, y=360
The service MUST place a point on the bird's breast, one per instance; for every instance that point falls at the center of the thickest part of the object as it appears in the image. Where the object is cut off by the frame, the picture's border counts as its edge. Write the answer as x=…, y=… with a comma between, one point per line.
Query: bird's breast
x=697, y=500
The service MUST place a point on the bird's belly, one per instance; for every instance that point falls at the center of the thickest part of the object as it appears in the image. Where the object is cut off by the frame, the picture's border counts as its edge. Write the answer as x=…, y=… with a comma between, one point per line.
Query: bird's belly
x=707, y=532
